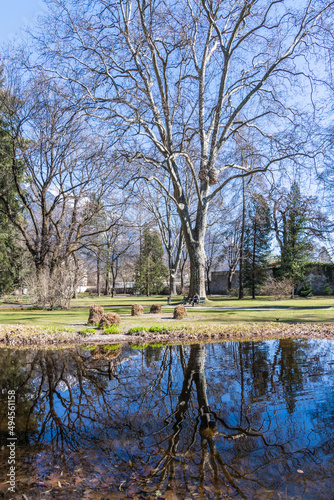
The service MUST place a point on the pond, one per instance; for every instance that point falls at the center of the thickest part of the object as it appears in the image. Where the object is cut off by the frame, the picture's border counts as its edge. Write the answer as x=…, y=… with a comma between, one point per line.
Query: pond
x=250, y=420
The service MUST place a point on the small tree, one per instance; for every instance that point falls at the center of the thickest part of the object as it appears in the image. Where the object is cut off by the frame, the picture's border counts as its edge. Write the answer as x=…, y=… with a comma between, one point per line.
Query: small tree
x=150, y=272
x=257, y=244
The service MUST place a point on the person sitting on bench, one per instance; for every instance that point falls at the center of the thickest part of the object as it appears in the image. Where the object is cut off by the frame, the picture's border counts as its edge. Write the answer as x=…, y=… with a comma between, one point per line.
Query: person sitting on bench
x=195, y=299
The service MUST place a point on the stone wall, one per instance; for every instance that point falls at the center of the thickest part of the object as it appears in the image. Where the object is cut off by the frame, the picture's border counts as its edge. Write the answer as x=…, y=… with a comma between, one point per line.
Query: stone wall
x=319, y=275
x=218, y=285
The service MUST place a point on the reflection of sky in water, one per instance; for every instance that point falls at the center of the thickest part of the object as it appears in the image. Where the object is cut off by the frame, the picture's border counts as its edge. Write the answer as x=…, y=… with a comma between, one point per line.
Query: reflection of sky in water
x=240, y=417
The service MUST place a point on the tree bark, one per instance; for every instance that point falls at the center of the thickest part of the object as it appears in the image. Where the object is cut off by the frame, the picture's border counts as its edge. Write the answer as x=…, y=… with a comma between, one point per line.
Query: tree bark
x=172, y=282
x=242, y=240
x=197, y=269
x=98, y=274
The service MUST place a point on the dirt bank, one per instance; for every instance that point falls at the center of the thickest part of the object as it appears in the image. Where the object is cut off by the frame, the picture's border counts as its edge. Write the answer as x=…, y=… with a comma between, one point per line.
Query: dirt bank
x=27, y=336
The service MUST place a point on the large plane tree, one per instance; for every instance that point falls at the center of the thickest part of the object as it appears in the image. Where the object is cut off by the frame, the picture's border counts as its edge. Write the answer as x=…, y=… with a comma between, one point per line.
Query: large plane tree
x=202, y=90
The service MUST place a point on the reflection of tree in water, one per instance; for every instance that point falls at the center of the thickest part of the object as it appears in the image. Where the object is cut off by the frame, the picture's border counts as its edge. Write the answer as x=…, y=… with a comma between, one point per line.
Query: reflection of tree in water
x=15, y=376
x=203, y=443
x=155, y=419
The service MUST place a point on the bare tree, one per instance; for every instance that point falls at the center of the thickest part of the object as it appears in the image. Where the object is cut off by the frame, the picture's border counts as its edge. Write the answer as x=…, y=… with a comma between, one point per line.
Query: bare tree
x=65, y=172
x=160, y=205
x=110, y=247
x=181, y=81
x=212, y=244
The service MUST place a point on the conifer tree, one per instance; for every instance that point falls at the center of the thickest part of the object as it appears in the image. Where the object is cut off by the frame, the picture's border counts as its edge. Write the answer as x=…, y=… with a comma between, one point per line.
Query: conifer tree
x=12, y=253
x=151, y=272
x=296, y=245
x=257, y=244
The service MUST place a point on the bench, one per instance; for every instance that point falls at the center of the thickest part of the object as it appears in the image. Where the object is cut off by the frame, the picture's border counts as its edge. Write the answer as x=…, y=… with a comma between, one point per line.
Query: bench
x=187, y=300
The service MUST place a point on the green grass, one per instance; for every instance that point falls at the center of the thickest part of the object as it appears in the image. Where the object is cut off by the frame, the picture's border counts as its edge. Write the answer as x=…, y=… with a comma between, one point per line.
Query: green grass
x=76, y=317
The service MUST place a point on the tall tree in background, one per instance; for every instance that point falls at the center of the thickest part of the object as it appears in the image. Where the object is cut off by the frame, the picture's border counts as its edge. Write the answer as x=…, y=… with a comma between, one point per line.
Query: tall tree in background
x=257, y=244
x=151, y=272
x=295, y=222
x=66, y=172
x=158, y=203
x=13, y=259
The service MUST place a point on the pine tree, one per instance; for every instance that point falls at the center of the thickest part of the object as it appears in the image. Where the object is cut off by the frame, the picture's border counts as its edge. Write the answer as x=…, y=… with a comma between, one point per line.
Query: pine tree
x=296, y=245
x=257, y=244
x=150, y=272
x=12, y=254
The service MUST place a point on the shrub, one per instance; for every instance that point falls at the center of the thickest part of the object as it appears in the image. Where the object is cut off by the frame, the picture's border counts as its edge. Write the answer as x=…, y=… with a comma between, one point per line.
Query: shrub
x=156, y=308
x=95, y=314
x=137, y=310
x=109, y=319
x=306, y=290
x=180, y=312
x=328, y=290
x=88, y=330
x=112, y=329
x=278, y=288
x=158, y=329
x=136, y=329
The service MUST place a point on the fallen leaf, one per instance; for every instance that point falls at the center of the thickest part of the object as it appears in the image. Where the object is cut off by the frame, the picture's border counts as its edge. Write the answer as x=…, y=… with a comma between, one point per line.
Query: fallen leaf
x=41, y=485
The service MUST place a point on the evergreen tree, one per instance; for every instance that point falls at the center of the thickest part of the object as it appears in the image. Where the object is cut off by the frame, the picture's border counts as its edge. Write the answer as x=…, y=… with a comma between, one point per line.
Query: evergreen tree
x=150, y=272
x=12, y=253
x=296, y=246
x=257, y=244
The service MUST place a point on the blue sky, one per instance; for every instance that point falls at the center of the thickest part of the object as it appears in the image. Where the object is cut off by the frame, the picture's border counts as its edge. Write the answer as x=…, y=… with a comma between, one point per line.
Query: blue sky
x=15, y=14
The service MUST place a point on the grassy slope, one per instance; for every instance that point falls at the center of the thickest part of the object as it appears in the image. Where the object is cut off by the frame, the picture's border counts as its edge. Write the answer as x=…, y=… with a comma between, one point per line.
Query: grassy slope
x=78, y=314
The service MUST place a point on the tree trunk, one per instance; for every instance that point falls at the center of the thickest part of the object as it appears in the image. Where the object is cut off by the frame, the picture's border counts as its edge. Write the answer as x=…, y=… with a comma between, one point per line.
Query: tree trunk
x=172, y=282
x=182, y=276
x=98, y=275
x=253, y=261
x=242, y=240
x=208, y=281
x=197, y=269
x=229, y=279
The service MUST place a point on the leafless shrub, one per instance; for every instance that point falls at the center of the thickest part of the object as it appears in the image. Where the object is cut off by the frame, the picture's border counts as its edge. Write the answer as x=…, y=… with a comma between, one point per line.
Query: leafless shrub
x=137, y=310
x=156, y=308
x=278, y=288
x=52, y=290
x=109, y=319
x=95, y=314
x=180, y=312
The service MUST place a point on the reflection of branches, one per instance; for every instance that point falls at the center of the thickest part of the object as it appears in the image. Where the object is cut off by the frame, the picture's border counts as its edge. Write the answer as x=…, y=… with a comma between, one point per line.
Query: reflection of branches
x=68, y=411
x=159, y=423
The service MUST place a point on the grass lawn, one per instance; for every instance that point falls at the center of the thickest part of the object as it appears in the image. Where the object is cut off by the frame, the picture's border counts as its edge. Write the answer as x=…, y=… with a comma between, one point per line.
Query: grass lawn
x=78, y=314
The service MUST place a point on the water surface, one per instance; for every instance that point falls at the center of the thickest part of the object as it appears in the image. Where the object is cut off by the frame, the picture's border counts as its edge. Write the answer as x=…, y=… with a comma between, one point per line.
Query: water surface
x=248, y=420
